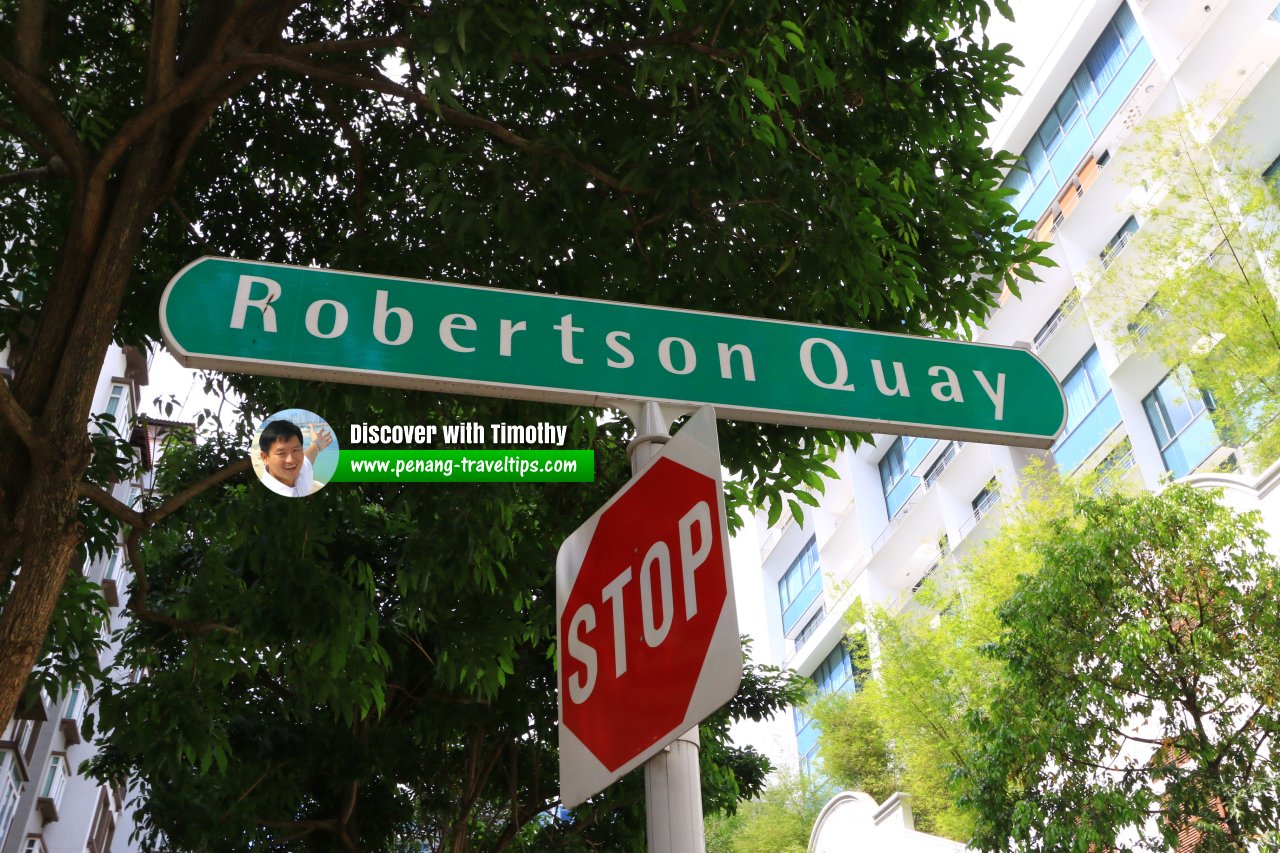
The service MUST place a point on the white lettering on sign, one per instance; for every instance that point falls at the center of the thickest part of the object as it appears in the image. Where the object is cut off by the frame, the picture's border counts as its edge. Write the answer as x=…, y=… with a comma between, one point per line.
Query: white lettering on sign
x=312, y=320
x=660, y=555
x=614, y=341
x=899, y=379
x=949, y=389
x=456, y=323
x=613, y=592
x=695, y=523
x=689, y=359
x=690, y=559
x=509, y=330
x=842, y=367
x=996, y=394
x=567, y=330
x=244, y=302
x=582, y=683
x=380, y=314
x=823, y=362
x=744, y=355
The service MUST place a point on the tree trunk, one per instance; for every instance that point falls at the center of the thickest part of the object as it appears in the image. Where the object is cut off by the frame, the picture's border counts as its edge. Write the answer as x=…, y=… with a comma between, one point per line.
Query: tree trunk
x=55, y=384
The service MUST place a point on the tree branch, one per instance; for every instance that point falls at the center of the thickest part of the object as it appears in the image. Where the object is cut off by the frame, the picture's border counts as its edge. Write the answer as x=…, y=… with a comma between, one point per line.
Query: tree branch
x=190, y=226
x=21, y=422
x=198, y=120
x=114, y=507
x=138, y=600
x=374, y=81
x=191, y=87
x=353, y=140
x=682, y=37
x=186, y=495
x=350, y=807
x=26, y=175
x=38, y=104
x=21, y=133
x=161, y=69
x=345, y=45
x=29, y=35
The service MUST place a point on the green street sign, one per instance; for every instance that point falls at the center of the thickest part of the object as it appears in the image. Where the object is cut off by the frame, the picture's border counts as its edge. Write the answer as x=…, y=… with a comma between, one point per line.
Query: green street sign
x=251, y=317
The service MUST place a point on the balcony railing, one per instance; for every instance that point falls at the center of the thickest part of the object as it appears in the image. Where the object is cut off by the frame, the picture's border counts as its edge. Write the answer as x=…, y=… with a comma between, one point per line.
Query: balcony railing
x=984, y=507
x=1074, y=448
x=1113, y=469
x=940, y=464
x=1055, y=321
x=811, y=627
x=1113, y=250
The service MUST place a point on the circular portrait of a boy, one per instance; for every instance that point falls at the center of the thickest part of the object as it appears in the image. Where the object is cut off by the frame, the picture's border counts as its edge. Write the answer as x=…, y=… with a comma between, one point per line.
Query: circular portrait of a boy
x=294, y=453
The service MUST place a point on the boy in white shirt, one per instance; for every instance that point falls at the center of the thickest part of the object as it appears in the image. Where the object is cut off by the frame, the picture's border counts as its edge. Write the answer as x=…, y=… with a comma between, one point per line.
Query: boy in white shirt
x=289, y=470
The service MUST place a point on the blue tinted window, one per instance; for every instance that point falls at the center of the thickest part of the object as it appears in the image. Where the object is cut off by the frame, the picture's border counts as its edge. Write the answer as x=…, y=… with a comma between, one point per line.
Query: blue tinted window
x=835, y=673
x=804, y=567
x=1084, y=386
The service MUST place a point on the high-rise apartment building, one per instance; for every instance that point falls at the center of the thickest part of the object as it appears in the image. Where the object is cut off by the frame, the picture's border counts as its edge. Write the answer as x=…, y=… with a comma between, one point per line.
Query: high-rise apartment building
x=46, y=804
x=1094, y=70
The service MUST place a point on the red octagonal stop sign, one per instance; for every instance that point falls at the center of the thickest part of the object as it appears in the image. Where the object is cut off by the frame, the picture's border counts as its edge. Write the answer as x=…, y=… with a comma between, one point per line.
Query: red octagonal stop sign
x=648, y=641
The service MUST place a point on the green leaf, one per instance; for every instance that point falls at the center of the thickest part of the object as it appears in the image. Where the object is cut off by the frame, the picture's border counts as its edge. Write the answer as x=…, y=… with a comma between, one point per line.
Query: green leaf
x=757, y=86
x=791, y=87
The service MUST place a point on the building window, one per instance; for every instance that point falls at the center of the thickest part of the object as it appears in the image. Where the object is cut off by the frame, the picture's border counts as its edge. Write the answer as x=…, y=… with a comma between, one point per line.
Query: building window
x=55, y=783
x=73, y=714
x=800, y=586
x=10, y=789
x=835, y=673
x=35, y=844
x=104, y=826
x=112, y=572
x=22, y=735
x=1091, y=412
x=1270, y=173
x=1274, y=16
x=120, y=406
x=1072, y=123
x=1176, y=410
x=903, y=455
x=806, y=740
x=1118, y=241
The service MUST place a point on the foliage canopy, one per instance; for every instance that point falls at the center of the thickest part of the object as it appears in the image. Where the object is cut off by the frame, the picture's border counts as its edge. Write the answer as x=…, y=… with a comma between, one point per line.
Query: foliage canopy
x=1198, y=284
x=820, y=165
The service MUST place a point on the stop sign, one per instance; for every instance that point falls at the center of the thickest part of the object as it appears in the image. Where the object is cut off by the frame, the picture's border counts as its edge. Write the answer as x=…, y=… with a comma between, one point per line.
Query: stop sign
x=647, y=631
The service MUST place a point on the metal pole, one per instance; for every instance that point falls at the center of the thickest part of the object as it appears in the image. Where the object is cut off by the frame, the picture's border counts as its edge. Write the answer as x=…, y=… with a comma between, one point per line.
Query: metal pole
x=672, y=780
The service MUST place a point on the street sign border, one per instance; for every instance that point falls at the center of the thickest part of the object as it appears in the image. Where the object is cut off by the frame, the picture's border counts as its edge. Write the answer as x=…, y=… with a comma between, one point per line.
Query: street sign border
x=588, y=776
x=424, y=382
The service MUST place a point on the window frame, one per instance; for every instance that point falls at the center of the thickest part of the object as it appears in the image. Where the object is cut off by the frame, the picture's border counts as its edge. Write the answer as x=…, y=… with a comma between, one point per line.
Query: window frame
x=1083, y=367
x=807, y=564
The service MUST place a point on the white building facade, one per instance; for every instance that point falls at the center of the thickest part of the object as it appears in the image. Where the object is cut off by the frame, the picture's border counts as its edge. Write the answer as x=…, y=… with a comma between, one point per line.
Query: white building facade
x=1094, y=69
x=46, y=804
